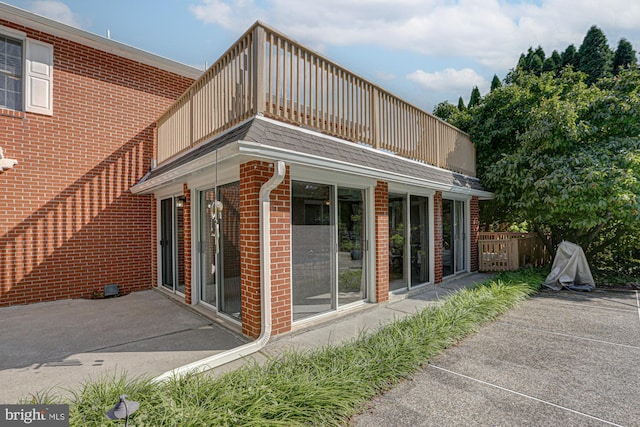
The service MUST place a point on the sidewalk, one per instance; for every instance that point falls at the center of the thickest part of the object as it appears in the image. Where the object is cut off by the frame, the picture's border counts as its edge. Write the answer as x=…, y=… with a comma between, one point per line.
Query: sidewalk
x=59, y=345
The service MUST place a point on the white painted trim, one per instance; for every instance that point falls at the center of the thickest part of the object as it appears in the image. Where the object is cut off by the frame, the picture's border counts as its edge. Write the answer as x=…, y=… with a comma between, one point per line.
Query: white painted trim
x=58, y=29
x=410, y=189
x=255, y=149
x=10, y=32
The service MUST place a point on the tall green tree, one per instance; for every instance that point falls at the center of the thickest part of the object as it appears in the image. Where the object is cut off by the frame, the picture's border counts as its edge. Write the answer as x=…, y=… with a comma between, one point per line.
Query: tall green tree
x=570, y=57
x=625, y=56
x=495, y=83
x=475, y=97
x=595, y=56
x=461, y=105
x=445, y=111
x=565, y=156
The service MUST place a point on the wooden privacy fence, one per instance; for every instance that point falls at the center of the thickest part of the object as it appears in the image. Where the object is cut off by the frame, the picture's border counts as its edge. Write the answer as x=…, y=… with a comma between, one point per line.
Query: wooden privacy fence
x=510, y=251
x=266, y=73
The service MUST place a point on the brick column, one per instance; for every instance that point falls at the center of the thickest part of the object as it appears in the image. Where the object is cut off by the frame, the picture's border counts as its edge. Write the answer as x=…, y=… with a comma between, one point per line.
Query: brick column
x=252, y=175
x=186, y=213
x=437, y=237
x=474, y=208
x=382, y=240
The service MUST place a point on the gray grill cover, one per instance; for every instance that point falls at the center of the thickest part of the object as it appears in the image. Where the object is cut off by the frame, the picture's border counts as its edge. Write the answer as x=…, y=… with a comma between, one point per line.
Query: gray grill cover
x=570, y=269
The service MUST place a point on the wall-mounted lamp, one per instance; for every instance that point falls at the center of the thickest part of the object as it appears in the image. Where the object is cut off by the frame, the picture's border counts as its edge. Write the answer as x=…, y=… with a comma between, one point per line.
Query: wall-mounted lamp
x=180, y=201
x=6, y=163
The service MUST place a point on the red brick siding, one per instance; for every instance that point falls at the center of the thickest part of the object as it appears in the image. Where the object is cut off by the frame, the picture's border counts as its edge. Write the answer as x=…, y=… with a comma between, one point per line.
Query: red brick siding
x=252, y=175
x=382, y=240
x=437, y=237
x=475, y=230
x=69, y=224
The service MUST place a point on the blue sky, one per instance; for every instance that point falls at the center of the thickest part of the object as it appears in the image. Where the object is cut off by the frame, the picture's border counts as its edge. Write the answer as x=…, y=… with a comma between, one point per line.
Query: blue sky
x=425, y=51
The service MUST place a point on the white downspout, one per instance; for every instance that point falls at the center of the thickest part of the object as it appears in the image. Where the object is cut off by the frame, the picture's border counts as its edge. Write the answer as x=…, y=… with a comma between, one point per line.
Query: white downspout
x=265, y=289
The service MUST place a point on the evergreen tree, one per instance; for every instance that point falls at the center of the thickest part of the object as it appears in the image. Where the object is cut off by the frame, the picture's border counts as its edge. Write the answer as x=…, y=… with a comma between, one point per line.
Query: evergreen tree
x=595, y=55
x=495, y=83
x=461, y=105
x=522, y=63
x=475, y=97
x=557, y=60
x=625, y=57
x=549, y=65
x=570, y=57
x=536, y=64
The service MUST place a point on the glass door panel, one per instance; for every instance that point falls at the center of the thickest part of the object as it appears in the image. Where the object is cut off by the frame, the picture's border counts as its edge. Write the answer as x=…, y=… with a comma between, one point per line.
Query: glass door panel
x=209, y=230
x=460, y=238
x=179, y=247
x=229, y=257
x=312, y=243
x=397, y=220
x=166, y=242
x=419, y=240
x=351, y=245
x=447, y=237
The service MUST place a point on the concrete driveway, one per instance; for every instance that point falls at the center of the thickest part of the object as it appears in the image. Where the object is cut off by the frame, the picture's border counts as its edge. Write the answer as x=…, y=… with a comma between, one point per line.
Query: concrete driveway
x=560, y=359
x=63, y=343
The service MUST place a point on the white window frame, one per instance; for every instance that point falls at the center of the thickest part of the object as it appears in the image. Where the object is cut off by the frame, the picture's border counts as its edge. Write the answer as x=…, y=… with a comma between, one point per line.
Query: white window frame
x=37, y=74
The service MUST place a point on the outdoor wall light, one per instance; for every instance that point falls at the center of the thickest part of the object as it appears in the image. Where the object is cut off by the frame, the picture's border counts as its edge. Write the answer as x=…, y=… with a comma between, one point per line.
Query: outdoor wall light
x=122, y=410
x=180, y=201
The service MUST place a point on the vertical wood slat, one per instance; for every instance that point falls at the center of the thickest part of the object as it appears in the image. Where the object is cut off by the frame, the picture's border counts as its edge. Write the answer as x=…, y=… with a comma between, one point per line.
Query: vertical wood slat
x=265, y=72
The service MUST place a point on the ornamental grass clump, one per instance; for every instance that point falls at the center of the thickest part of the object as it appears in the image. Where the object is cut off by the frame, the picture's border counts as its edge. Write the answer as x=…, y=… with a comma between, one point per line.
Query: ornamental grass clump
x=322, y=387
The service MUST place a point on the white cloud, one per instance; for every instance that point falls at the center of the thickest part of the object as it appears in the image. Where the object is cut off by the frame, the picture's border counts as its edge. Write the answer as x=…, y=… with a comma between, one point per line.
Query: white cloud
x=449, y=80
x=57, y=11
x=229, y=14
x=490, y=32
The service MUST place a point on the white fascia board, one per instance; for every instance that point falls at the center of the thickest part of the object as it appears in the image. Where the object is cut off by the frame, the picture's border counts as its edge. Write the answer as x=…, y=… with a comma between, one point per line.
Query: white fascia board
x=150, y=185
x=49, y=26
x=253, y=149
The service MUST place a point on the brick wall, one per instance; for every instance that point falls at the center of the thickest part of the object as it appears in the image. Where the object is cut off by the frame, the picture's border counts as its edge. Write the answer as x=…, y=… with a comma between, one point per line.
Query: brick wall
x=475, y=230
x=69, y=225
x=382, y=240
x=252, y=175
x=437, y=237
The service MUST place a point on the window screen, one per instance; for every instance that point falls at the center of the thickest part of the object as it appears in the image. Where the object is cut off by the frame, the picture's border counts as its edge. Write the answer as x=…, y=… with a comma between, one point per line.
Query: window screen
x=11, y=72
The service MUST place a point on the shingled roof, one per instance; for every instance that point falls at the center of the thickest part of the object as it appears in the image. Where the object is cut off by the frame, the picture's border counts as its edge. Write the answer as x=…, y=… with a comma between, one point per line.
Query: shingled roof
x=269, y=133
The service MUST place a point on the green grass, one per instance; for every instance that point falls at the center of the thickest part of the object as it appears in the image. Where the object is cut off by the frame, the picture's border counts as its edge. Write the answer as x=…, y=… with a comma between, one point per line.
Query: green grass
x=323, y=387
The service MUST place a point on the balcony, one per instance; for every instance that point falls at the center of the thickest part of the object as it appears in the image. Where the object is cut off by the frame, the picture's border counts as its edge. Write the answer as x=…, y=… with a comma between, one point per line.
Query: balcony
x=266, y=73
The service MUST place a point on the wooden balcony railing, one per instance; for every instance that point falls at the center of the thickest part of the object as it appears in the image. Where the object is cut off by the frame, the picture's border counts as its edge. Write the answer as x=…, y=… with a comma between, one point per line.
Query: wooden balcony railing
x=265, y=72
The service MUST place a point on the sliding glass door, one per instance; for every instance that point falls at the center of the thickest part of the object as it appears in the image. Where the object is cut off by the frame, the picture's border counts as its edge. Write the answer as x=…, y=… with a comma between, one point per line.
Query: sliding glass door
x=220, y=248
x=172, y=244
x=453, y=237
x=328, y=243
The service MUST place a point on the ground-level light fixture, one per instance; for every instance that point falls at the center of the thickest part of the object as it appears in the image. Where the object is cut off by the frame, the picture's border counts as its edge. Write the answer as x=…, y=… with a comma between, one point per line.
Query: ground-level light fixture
x=123, y=409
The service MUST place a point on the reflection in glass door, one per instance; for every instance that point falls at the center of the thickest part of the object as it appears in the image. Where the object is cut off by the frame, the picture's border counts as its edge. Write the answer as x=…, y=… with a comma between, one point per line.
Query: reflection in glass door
x=453, y=237
x=172, y=245
x=209, y=231
x=397, y=220
x=419, y=223
x=312, y=225
x=220, y=248
x=166, y=242
x=460, y=236
x=447, y=237
x=351, y=246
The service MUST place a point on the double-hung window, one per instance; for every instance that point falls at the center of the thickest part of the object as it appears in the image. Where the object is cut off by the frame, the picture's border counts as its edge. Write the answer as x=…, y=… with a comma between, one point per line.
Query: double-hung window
x=11, y=73
x=26, y=73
